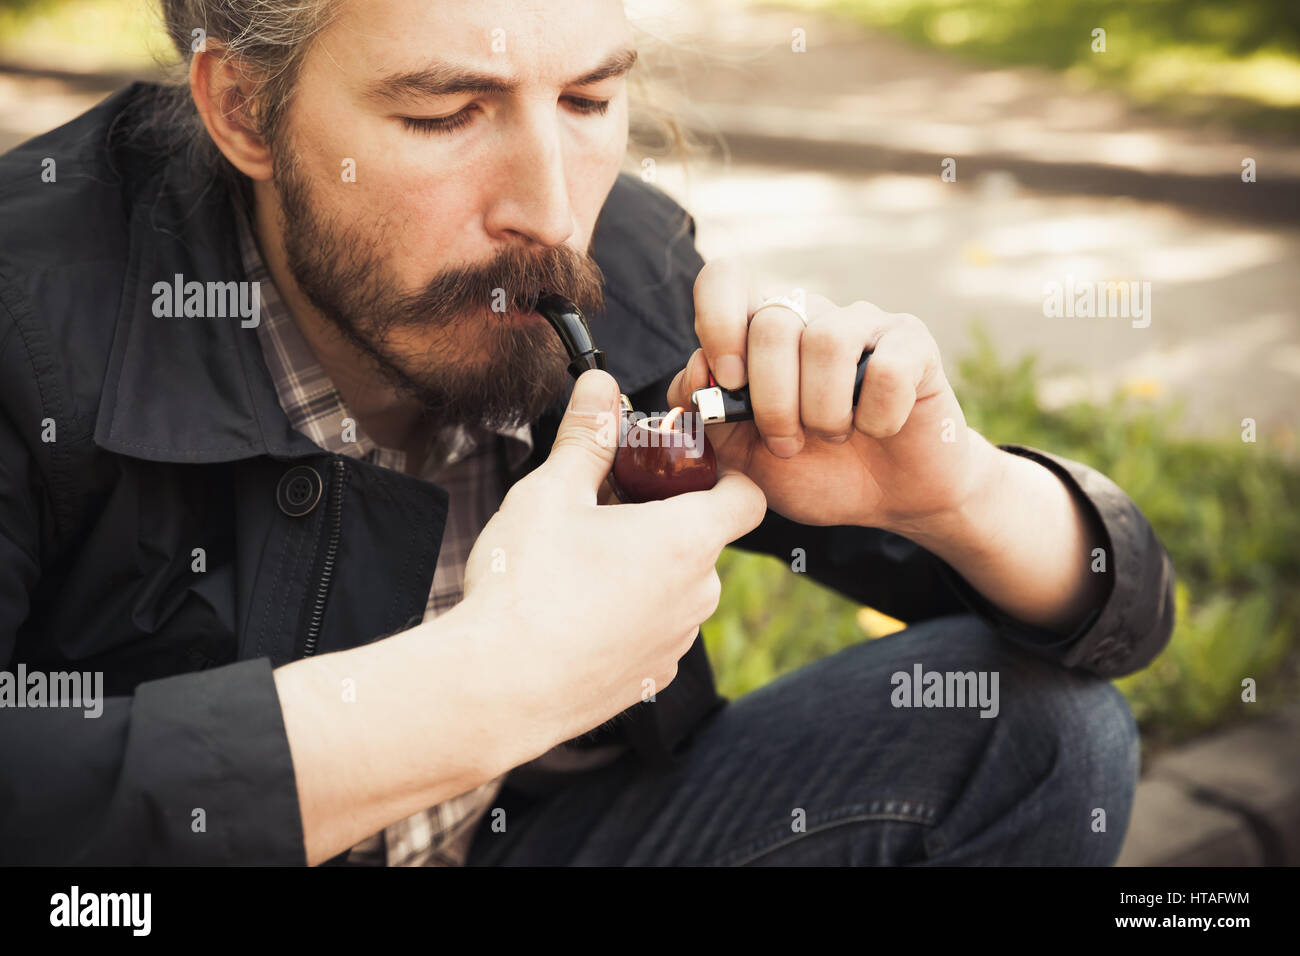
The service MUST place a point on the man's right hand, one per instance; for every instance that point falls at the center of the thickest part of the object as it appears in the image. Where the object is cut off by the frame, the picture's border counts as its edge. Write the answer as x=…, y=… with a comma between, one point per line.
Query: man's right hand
x=593, y=606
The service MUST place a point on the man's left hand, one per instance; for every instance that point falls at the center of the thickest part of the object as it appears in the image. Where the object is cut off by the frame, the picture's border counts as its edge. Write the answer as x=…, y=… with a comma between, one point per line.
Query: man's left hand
x=902, y=459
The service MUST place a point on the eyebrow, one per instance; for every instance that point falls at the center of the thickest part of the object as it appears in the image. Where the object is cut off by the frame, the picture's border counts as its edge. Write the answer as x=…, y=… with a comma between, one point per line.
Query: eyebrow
x=440, y=79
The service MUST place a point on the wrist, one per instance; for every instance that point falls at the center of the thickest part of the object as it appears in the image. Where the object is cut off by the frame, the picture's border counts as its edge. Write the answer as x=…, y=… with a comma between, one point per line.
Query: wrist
x=1020, y=541
x=496, y=685
x=969, y=520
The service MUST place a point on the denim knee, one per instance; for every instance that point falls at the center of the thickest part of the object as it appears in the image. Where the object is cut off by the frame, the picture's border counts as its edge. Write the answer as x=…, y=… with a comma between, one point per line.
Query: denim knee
x=1050, y=779
x=1089, y=786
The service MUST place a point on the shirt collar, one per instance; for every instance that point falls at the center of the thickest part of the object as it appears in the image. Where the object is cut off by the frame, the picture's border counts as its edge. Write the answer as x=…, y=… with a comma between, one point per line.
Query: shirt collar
x=313, y=404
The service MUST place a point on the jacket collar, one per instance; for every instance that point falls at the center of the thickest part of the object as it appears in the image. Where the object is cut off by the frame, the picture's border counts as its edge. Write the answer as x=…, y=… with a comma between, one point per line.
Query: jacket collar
x=190, y=389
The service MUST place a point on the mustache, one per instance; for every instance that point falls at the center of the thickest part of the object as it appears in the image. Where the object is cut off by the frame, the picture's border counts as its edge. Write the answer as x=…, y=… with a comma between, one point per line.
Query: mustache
x=512, y=281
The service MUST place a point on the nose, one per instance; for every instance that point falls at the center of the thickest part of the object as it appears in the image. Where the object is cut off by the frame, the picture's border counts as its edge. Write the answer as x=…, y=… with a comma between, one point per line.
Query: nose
x=533, y=200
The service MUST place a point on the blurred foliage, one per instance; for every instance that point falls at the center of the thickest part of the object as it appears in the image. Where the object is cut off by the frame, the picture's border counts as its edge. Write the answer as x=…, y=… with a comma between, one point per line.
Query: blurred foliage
x=1231, y=60
x=1234, y=60
x=1227, y=511
x=84, y=35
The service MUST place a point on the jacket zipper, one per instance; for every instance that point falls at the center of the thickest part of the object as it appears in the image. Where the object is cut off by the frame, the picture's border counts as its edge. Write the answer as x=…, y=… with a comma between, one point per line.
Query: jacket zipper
x=335, y=519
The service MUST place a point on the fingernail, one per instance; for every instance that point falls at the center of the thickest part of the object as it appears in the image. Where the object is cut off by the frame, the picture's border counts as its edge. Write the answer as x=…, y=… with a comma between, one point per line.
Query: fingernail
x=729, y=370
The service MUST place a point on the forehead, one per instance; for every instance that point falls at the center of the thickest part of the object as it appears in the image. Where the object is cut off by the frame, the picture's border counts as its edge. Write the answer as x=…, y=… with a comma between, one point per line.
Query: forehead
x=539, y=42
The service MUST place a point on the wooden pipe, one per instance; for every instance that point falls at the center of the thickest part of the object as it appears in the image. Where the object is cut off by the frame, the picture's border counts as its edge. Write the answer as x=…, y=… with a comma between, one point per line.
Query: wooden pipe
x=656, y=457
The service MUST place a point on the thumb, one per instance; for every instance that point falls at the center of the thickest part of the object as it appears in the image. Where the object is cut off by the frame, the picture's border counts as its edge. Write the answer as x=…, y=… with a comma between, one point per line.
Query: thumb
x=588, y=434
x=694, y=375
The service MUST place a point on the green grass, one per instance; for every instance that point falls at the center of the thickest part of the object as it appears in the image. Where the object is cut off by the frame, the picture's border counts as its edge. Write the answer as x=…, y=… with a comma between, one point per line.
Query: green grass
x=1228, y=512
x=1232, y=60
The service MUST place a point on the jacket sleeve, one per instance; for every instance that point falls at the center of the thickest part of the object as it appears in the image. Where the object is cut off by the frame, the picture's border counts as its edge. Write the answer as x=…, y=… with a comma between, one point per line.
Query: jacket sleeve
x=1121, y=635
x=894, y=575
x=191, y=769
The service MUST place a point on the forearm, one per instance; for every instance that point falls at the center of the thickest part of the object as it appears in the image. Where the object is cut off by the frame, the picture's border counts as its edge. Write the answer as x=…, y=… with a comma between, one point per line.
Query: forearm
x=1022, y=541
x=384, y=730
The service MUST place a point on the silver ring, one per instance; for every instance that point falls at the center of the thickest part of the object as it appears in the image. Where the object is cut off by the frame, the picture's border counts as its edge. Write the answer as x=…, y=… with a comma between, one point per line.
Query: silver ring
x=785, y=302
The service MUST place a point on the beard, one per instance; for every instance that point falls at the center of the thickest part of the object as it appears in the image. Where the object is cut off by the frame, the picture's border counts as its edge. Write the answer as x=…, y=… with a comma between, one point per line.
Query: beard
x=474, y=363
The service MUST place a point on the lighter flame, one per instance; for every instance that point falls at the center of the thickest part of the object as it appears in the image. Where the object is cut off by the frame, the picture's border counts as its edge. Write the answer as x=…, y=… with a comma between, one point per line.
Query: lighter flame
x=666, y=424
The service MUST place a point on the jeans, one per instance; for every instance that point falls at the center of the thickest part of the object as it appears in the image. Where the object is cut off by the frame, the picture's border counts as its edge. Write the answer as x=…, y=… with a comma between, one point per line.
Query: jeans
x=821, y=768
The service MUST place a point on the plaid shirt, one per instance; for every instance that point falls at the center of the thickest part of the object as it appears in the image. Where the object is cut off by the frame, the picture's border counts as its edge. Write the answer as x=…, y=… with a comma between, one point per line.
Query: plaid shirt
x=465, y=462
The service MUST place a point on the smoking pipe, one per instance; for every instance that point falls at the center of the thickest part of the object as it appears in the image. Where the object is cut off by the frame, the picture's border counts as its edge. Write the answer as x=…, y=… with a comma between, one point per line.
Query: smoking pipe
x=656, y=458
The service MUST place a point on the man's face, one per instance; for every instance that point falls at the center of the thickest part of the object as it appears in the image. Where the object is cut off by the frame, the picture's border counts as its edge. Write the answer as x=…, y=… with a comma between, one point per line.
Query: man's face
x=482, y=156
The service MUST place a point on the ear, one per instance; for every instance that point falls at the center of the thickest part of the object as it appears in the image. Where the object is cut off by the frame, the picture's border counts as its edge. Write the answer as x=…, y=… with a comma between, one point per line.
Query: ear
x=223, y=95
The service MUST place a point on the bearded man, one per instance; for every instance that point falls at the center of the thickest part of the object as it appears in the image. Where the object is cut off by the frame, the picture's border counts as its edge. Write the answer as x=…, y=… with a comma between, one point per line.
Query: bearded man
x=341, y=553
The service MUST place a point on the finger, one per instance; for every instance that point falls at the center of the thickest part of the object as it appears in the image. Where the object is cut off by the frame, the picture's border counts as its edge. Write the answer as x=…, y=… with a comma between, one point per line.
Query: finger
x=816, y=305
x=722, y=309
x=583, y=451
x=774, y=335
x=828, y=366
x=900, y=361
x=694, y=375
x=730, y=509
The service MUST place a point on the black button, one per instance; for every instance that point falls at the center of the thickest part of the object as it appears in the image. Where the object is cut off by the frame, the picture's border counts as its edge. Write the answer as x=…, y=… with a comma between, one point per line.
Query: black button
x=299, y=491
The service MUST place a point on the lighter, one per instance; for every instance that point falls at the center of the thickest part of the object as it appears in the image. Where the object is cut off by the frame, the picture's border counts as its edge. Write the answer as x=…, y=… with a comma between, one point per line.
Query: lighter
x=656, y=458
x=717, y=404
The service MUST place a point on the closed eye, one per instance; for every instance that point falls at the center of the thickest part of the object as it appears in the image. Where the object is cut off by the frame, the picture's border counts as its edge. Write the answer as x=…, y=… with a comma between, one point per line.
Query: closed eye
x=583, y=105
x=447, y=124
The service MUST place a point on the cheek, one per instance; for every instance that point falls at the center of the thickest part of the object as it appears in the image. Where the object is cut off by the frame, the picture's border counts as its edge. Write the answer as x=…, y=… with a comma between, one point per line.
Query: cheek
x=594, y=166
x=381, y=187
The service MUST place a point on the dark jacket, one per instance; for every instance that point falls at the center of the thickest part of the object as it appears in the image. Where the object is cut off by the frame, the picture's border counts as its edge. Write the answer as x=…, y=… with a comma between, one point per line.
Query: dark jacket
x=168, y=438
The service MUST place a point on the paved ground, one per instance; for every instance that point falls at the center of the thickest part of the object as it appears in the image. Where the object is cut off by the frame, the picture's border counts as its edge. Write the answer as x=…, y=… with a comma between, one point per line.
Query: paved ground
x=1224, y=330
x=1229, y=799
x=833, y=183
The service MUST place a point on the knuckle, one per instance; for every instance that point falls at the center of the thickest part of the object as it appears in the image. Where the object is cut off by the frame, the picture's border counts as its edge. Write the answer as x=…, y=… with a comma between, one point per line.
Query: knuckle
x=919, y=331
x=777, y=421
x=712, y=591
x=707, y=595
x=527, y=491
x=584, y=442
x=829, y=430
x=886, y=375
x=721, y=270
x=708, y=272
x=882, y=422
x=865, y=309
x=776, y=416
x=769, y=330
x=822, y=344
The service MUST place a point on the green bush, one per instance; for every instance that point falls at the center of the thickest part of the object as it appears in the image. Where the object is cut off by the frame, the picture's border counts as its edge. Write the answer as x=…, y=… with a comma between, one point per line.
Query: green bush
x=1234, y=60
x=1227, y=511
